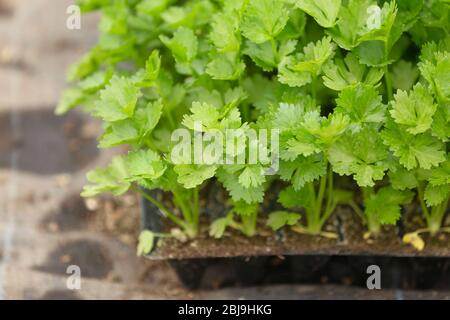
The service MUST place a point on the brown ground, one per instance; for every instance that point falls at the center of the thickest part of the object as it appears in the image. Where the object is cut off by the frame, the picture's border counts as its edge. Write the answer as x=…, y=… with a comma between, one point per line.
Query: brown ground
x=287, y=242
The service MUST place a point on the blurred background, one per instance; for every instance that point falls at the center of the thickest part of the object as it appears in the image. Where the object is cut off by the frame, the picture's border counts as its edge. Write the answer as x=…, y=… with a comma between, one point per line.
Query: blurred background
x=44, y=225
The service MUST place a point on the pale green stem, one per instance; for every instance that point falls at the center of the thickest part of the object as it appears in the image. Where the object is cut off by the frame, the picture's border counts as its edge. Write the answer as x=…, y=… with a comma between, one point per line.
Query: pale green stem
x=161, y=207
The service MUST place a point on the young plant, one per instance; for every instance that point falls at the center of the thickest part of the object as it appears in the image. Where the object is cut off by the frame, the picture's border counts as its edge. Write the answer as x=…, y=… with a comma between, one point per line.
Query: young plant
x=171, y=79
x=132, y=116
x=305, y=139
x=247, y=214
x=141, y=107
x=381, y=208
x=417, y=133
x=316, y=213
x=433, y=192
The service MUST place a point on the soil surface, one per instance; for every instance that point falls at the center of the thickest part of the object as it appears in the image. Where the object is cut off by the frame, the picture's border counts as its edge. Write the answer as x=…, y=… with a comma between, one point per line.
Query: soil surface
x=344, y=223
x=289, y=243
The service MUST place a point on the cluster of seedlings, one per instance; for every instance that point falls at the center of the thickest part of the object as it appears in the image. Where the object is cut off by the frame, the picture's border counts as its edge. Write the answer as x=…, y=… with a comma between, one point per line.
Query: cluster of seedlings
x=351, y=89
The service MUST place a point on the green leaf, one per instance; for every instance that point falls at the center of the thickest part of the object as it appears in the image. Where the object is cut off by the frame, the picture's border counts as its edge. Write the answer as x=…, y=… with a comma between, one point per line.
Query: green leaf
x=225, y=32
x=437, y=72
x=407, y=16
x=279, y=219
x=421, y=150
x=146, y=242
x=119, y=132
x=385, y=204
x=288, y=117
x=434, y=22
x=262, y=55
x=110, y=179
x=263, y=20
x=191, y=14
x=209, y=118
x=86, y=66
x=351, y=21
x=134, y=130
x=245, y=209
x=300, y=69
x=90, y=5
x=343, y=73
x=95, y=81
x=414, y=111
x=184, y=44
x=387, y=18
x=113, y=21
x=238, y=191
x=184, y=48
x=226, y=66
x=303, y=170
x=70, y=99
x=314, y=135
x=404, y=75
x=324, y=12
x=326, y=129
x=290, y=198
x=303, y=144
x=265, y=56
x=362, y=155
x=435, y=195
x=362, y=104
x=252, y=176
x=147, y=118
x=192, y=175
x=153, y=7
x=440, y=127
x=144, y=164
x=262, y=92
x=440, y=175
x=295, y=27
x=118, y=100
x=402, y=179
x=147, y=76
x=202, y=113
x=372, y=53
